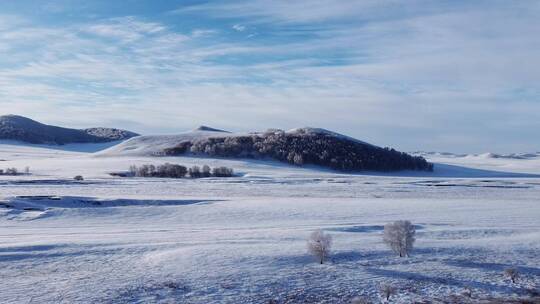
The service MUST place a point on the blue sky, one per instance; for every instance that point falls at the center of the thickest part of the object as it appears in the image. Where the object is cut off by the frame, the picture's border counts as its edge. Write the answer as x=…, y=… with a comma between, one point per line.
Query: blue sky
x=458, y=76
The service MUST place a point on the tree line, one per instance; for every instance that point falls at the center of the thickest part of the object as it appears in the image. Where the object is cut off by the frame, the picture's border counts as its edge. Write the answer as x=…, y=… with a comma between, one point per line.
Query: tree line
x=169, y=170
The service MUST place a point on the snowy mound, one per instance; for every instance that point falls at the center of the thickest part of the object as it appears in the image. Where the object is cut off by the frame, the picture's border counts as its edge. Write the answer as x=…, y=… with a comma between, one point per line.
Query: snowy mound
x=509, y=156
x=438, y=154
x=210, y=129
x=488, y=155
x=18, y=128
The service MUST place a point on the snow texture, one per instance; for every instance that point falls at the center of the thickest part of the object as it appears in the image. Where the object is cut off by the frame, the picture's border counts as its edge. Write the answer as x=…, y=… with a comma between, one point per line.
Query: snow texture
x=243, y=239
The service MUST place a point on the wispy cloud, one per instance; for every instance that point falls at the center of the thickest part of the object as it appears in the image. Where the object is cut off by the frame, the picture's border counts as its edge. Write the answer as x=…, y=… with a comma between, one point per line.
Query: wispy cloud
x=239, y=27
x=126, y=29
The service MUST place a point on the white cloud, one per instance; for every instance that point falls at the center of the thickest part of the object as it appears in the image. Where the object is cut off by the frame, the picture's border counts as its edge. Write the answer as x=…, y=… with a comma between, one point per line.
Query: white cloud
x=127, y=29
x=239, y=27
x=197, y=33
x=286, y=11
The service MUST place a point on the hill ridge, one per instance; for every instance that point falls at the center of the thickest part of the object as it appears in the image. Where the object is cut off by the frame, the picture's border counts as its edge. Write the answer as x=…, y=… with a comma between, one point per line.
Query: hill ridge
x=20, y=128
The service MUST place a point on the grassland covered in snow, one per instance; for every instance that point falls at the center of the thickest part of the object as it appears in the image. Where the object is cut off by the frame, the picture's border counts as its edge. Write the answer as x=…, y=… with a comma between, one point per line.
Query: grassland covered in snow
x=243, y=239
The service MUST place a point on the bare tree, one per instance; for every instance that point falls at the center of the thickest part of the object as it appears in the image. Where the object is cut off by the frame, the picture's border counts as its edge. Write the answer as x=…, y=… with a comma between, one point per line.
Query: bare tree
x=319, y=245
x=512, y=274
x=399, y=236
x=387, y=291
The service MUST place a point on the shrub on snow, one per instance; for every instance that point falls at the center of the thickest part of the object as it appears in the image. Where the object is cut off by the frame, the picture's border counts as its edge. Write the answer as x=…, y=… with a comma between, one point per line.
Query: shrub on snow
x=206, y=171
x=512, y=274
x=387, y=291
x=178, y=171
x=9, y=171
x=319, y=245
x=399, y=236
x=222, y=172
x=165, y=170
x=195, y=172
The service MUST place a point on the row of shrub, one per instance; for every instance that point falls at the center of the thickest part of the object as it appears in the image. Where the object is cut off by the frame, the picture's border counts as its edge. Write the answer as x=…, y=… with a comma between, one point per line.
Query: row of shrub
x=178, y=171
x=14, y=171
x=323, y=149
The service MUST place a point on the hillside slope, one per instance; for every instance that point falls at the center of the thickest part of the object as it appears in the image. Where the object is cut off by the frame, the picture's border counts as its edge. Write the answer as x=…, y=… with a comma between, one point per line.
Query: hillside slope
x=152, y=145
x=13, y=127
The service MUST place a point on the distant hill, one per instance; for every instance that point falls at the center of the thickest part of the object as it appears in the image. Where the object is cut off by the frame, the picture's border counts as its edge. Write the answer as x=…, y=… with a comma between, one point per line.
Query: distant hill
x=300, y=147
x=23, y=129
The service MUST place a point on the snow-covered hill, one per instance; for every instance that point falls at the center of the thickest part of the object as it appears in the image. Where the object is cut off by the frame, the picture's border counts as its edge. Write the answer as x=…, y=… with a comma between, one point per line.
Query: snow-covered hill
x=301, y=146
x=18, y=128
x=151, y=145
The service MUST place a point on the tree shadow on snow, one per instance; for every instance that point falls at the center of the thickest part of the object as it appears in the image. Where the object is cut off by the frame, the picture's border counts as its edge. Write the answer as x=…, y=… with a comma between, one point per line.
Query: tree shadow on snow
x=42, y=253
x=31, y=248
x=364, y=228
x=43, y=202
x=416, y=277
x=498, y=267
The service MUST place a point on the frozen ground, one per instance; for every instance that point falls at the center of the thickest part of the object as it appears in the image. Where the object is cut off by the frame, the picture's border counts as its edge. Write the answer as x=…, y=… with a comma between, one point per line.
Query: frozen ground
x=243, y=239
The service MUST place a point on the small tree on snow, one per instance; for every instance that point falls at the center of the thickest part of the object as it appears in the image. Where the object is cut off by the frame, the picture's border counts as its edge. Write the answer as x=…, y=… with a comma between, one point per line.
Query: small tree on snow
x=206, y=171
x=195, y=172
x=467, y=292
x=387, y=291
x=399, y=236
x=319, y=245
x=512, y=274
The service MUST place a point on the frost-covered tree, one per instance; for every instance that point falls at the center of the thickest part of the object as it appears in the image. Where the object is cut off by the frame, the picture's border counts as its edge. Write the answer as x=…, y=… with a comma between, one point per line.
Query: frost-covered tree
x=165, y=170
x=206, y=171
x=222, y=172
x=387, y=291
x=399, y=236
x=304, y=147
x=12, y=171
x=195, y=172
x=319, y=245
x=467, y=291
x=133, y=170
x=512, y=274
x=170, y=170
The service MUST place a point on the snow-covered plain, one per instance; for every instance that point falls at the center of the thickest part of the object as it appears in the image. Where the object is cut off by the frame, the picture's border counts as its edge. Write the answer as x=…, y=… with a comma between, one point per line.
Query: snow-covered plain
x=243, y=239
